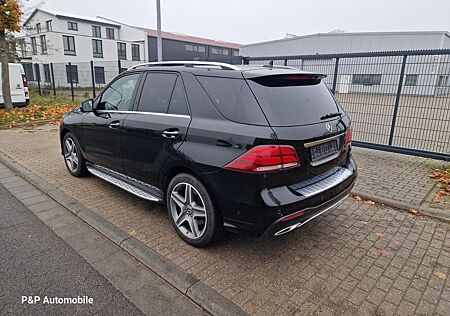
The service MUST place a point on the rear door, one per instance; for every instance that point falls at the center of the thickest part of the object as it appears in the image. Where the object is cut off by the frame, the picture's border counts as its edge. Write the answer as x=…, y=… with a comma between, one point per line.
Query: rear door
x=156, y=127
x=303, y=113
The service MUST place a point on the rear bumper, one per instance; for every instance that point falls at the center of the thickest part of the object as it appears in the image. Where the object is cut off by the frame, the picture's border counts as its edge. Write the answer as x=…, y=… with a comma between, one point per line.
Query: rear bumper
x=284, y=225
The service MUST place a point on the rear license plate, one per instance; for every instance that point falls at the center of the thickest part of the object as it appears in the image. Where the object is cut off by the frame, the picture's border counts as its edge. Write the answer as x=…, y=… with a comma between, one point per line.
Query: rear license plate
x=324, y=150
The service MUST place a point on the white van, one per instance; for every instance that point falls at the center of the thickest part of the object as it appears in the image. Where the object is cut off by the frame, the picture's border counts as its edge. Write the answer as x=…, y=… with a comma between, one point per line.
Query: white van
x=19, y=86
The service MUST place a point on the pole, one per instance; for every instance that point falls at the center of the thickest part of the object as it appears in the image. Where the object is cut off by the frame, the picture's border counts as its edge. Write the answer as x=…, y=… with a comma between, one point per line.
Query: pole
x=38, y=76
x=53, y=79
x=93, y=79
x=119, y=66
x=159, y=39
x=335, y=77
x=71, y=81
x=397, y=100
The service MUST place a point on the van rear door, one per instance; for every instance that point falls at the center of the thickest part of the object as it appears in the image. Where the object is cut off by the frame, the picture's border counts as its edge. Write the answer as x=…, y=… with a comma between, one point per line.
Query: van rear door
x=16, y=85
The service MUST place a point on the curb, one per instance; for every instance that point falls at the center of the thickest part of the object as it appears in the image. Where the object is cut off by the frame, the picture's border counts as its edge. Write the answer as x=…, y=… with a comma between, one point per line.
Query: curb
x=204, y=296
x=435, y=213
x=30, y=123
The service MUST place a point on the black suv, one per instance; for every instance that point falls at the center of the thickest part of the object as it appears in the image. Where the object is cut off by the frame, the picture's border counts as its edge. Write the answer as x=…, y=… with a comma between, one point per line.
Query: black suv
x=255, y=149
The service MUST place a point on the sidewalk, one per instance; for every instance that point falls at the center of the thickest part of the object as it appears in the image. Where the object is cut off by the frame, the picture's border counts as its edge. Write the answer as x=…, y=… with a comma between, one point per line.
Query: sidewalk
x=358, y=258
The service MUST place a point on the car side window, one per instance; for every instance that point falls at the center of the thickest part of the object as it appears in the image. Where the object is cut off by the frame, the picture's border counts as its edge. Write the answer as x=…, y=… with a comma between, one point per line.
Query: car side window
x=178, y=103
x=156, y=92
x=118, y=95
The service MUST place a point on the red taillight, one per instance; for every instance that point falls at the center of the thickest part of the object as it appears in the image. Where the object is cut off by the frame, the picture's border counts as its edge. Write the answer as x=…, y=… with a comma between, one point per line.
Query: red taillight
x=24, y=80
x=266, y=158
x=348, y=136
x=291, y=216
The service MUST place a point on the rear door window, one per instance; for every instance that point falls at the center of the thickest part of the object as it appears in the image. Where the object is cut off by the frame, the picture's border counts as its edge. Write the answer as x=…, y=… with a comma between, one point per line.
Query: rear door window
x=290, y=103
x=233, y=99
x=178, y=103
x=156, y=92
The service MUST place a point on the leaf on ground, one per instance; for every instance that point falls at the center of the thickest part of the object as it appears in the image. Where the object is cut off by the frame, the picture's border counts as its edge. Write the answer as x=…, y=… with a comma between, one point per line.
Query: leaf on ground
x=440, y=275
x=297, y=258
x=384, y=252
x=369, y=202
x=364, y=222
x=358, y=198
x=414, y=211
x=379, y=234
x=133, y=233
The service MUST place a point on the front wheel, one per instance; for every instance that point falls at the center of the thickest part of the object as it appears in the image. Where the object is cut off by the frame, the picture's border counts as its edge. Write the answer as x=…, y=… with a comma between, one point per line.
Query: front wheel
x=73, y=158
x=192, y=212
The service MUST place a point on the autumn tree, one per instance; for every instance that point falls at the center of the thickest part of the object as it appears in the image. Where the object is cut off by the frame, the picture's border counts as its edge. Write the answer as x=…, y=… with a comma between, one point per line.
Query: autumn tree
x=10, y=14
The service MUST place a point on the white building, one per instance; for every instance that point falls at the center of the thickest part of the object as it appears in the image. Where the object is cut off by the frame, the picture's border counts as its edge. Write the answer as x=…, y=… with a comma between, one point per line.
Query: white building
x=60, y=38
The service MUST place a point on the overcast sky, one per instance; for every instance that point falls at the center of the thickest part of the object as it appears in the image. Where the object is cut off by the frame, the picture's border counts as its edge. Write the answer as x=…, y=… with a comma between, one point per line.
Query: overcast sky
x=249, y=21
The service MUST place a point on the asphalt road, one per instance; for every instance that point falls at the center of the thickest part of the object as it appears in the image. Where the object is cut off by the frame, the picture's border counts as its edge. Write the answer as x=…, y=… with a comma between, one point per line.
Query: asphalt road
x=34, y=261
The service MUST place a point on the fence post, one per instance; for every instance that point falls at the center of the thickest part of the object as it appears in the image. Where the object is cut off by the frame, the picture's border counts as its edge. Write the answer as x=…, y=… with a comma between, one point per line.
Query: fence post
x=53, y=79
x=93, y=79
x=119, y=64
x=71, y=82
x=397, y=99
x=37, y=69
x=285, y=62
x=335, y=77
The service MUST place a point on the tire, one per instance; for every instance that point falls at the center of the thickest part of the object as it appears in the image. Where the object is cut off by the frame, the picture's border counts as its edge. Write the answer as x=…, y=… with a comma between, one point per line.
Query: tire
x=74, y=160
x=197, y=227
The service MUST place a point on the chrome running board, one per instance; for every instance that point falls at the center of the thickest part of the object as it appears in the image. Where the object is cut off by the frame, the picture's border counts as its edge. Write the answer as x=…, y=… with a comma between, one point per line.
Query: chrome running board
x=113, y=177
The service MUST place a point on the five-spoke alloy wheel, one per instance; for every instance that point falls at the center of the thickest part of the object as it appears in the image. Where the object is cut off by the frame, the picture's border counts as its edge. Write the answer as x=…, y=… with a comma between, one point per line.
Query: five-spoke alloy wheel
x=73, y=158
x=191, y=210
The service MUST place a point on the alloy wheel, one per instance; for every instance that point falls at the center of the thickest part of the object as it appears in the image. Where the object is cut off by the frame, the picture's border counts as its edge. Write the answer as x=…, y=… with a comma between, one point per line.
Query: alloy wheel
x=71, y=155
x=188, y=210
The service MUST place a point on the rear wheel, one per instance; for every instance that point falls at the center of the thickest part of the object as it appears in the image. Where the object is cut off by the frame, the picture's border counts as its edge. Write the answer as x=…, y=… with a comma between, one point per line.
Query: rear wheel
x=73, y=158
x=192, y=212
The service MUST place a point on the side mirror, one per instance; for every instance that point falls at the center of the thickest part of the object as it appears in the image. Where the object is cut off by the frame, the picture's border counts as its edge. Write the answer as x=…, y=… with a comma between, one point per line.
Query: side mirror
x=86, y=105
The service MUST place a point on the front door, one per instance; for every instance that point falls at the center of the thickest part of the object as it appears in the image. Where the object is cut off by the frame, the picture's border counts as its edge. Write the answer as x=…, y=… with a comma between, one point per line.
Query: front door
x=102, y=128
x=157, y=128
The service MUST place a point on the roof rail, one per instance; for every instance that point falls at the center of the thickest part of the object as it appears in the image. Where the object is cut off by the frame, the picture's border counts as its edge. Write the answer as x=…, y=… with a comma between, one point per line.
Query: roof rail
x=223, y=66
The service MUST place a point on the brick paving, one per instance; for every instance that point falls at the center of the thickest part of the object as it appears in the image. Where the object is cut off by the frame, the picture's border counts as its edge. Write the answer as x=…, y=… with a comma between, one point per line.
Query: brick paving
x=357, y=259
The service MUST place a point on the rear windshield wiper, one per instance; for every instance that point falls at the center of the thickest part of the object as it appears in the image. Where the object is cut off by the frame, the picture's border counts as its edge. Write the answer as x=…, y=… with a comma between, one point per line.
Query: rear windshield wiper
x=330, y=115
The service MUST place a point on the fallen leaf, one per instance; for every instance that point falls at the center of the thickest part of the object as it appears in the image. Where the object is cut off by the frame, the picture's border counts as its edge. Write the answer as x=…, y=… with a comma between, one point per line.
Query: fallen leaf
x=297, y=258
x=379, y=234
x=364, y=223
x=384, y=252
x=440, y=275
x=358, y=198
x=369, y=202
x=133, y=233
x=414, y=211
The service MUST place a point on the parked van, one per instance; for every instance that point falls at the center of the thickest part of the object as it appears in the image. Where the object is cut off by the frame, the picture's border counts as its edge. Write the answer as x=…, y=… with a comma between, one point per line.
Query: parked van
x=19, y=86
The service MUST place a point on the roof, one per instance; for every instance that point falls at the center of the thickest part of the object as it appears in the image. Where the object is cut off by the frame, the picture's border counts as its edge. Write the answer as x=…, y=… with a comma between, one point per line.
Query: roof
x=445, y=33
x=191, y=39
x=73, y=16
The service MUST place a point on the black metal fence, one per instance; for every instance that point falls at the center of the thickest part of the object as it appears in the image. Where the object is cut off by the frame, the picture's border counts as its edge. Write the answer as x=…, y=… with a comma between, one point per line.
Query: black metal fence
x=398, y=101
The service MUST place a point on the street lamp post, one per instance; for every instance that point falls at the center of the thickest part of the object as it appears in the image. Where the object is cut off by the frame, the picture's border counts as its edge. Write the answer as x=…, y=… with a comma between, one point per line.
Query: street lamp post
x=158, y=21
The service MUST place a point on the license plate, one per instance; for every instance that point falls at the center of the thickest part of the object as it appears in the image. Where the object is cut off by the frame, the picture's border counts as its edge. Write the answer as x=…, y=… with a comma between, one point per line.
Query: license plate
x=324, y=150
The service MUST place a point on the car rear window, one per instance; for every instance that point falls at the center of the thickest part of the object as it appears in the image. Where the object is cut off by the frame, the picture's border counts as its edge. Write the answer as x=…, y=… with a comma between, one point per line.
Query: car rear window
x=233, y=99
x=291, y=100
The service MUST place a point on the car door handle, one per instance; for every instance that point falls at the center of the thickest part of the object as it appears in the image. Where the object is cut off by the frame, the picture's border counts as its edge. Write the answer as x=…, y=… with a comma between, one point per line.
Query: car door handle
x=115, y=124
x=171, y=133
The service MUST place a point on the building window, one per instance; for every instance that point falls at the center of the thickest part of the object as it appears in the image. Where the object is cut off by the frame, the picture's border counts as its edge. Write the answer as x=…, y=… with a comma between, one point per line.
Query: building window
x=96, y=31
x=122, y=51
x=23, y=48
x=215, y=51
x=225, y=52
x=99, y=73
x=367, y=79
x=72, y=26
x=135, y=52
x=220, y=51
x=69, y=45
x=442, y=81
x=110, y=33
x=235, y=52
x=97, y=48
x=189, y=47
x=411, y=80
x=38, y=28
x=72, y=72
x=33, y=46
x=43, y=44
x=48, y=24
x=47, y=75
x=202, y=49
x=195, y=48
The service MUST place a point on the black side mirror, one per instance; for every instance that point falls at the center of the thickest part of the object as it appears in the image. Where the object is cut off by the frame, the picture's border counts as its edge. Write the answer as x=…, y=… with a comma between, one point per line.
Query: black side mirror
x=86, y=105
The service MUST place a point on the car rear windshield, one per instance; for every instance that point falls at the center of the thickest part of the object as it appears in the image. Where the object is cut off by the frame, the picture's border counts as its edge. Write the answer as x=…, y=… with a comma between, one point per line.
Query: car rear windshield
x=293, y=100
x=233, y=99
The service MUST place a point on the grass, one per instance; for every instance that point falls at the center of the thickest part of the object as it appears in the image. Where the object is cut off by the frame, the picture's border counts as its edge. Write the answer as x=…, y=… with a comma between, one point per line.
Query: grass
x=40, y=108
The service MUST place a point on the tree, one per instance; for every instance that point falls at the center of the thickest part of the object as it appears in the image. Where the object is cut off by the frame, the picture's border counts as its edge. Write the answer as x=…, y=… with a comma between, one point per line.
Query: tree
x=10, y=14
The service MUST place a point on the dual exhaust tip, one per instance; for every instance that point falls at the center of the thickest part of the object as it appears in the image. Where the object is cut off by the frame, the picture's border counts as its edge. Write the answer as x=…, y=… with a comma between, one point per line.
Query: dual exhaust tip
x=288, y=229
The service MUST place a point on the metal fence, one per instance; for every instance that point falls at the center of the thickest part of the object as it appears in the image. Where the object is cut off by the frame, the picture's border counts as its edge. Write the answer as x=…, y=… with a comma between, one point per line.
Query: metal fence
x=398, y=101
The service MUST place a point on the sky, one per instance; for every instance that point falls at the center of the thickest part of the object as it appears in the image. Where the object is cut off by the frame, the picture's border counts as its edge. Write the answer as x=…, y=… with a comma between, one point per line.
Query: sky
x=251, y=21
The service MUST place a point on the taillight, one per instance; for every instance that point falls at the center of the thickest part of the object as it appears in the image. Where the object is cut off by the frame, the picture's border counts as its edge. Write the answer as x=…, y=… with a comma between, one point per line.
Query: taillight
x=348, y=136
x=266, y=158
x=24, y=80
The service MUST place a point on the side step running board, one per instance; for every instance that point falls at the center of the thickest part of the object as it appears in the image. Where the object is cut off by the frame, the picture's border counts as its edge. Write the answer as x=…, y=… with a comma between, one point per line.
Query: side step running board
x=109, y=176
